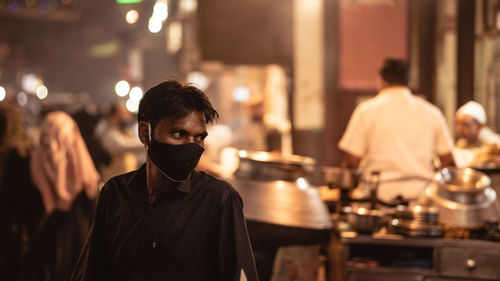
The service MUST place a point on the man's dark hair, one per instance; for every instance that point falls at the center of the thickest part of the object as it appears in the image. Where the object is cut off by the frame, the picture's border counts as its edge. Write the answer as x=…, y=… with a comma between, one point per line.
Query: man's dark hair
x=174, y=99
x=395, y=71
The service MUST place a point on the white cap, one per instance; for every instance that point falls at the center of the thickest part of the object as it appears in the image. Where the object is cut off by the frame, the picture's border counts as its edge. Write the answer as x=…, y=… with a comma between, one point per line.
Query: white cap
x=474, y=110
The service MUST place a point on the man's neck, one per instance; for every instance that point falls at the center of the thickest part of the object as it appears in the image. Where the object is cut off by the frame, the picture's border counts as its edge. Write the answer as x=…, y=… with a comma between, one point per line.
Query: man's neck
x=157, y=183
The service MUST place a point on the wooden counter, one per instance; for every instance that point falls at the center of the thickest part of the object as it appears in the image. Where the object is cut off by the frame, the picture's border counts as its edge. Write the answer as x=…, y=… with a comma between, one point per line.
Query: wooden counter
x=393, y=258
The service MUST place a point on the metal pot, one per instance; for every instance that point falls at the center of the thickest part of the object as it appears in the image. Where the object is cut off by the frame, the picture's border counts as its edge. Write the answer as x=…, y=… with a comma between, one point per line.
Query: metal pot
x=364, y=220
x=464, y=197
x=261, y=165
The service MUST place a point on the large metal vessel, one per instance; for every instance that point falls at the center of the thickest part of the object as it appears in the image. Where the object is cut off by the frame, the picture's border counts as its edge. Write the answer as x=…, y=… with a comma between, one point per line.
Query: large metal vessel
x=464, y=197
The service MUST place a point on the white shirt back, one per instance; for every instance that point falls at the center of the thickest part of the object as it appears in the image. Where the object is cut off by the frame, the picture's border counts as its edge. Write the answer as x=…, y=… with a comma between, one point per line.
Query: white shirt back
x=397, y=134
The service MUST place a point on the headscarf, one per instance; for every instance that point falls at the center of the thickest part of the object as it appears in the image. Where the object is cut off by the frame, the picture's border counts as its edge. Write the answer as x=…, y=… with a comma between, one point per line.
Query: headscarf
x=474, y=110
x=61, y=166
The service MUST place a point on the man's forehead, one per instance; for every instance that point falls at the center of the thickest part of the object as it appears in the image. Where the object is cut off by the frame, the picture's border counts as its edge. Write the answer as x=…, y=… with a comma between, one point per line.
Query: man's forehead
x=466, y=118
x=193, y=118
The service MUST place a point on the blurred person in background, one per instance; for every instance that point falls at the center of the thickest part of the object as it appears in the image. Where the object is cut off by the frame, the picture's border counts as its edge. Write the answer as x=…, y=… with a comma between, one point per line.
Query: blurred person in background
x=256, y=134
x=251, y=133
x=471, y=129
x=118, y=139
x=63, y=172
x=87, y=118
x=472, y=135
x=398, y=135
x=167, y=221
x=21, y=207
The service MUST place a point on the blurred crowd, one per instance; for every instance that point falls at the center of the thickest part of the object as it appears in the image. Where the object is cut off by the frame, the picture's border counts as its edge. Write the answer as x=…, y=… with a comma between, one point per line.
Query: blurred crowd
x=49, y=182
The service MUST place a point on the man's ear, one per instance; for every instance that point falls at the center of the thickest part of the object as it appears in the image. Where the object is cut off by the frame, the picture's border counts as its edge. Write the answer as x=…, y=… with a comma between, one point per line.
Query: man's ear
x=143, y=131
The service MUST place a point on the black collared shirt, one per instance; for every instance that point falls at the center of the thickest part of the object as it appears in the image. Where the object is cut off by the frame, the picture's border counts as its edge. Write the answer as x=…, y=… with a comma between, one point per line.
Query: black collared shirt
x=197, y=232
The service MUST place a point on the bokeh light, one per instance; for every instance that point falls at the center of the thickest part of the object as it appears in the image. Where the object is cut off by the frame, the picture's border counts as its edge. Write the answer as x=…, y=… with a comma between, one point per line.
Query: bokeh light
x=30, y=82
x=154, y=25
x=241, y=94
x=160, y=10
x=132, y=16
x=42, y=92
x=132, y=106
x=188, y=6
x=122, y=88
x=22, y=99
x=3, y=93
x=136, y=94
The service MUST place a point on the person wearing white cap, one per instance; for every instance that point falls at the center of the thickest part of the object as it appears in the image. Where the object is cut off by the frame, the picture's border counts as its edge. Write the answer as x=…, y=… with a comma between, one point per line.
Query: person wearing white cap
x=470, y=127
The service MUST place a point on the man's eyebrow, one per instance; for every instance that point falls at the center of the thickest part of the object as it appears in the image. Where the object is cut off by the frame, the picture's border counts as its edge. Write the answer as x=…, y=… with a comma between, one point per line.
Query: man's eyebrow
x=204, y=134
x=173, y=130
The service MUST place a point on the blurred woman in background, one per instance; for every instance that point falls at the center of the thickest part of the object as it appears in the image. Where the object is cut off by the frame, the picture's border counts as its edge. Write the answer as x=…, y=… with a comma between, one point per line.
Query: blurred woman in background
x=66, y=177
x=21, y=207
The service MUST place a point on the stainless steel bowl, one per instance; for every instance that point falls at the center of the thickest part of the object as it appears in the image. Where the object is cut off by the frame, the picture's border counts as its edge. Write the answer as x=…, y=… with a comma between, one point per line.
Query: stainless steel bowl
x=464, y=197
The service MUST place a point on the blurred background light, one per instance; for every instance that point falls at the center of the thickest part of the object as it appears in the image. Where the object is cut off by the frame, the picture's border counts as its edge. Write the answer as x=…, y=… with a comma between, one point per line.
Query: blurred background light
x=199, y=79
x=2, y=93
x=132, y=106
x=188, y=6
x=302, y=183
x=241, y=94
x=160, y=10
x=136, y=94
x=42, y=92
x=174, y=40
x=132, y=16
x=29, y=83
x=154, y=25
x=22, y=99
x=122, y=88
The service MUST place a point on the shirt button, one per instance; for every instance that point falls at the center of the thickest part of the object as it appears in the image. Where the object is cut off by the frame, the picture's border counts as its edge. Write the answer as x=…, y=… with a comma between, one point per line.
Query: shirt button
x=154, y=244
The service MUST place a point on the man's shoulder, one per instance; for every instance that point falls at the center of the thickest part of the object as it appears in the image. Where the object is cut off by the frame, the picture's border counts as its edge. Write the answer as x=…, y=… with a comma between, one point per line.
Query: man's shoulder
x=427, y=106
x=213, y=185
x=120, y=181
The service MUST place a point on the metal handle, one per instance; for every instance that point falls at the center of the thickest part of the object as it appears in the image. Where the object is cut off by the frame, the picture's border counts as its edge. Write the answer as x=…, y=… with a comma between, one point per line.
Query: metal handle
x=470, y=263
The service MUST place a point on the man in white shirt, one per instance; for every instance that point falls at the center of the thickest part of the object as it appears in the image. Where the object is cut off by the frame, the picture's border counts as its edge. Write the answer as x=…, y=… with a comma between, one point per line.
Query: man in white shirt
x=118, y=138
x=397, y=134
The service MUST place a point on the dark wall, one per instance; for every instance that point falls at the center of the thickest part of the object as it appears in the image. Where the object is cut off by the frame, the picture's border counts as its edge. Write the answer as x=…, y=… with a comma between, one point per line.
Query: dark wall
x=246, y=32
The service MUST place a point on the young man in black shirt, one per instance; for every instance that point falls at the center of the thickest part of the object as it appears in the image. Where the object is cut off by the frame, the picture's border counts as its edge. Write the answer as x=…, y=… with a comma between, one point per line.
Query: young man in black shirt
x=167, y=221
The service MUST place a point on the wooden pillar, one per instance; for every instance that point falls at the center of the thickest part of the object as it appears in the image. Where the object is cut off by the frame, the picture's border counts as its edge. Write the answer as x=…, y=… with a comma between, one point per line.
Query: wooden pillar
x=465, y=52
x=422, y=47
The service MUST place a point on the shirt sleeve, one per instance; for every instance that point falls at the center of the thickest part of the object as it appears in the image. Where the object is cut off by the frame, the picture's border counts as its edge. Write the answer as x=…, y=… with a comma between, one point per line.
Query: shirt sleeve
x=236, y=261
x=354, y=140
x=115, y=142
x=92, y=264
x=444, y=142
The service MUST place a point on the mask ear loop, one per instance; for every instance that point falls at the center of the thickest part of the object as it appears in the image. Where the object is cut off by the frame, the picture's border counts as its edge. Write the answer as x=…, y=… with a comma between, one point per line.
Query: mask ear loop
x=149, y=132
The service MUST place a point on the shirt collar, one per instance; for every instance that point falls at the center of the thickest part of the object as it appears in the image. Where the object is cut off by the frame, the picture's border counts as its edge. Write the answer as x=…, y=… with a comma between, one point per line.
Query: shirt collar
x=395, y=91
x=140, y=180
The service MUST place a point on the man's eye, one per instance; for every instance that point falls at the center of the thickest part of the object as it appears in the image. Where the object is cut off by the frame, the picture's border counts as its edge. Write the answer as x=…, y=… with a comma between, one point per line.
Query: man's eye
x=177, y=135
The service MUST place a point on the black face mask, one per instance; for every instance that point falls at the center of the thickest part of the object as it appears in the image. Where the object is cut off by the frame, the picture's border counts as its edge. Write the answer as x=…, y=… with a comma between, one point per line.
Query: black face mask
x=176, y=161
